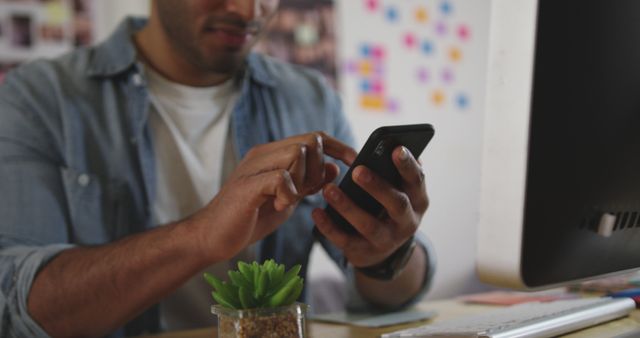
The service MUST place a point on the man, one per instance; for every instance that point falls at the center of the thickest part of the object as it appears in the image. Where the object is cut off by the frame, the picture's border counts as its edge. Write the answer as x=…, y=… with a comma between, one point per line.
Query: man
x=119, y=180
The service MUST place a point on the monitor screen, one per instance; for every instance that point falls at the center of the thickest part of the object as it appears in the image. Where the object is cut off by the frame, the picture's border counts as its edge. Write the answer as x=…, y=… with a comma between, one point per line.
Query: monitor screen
x=561, y=166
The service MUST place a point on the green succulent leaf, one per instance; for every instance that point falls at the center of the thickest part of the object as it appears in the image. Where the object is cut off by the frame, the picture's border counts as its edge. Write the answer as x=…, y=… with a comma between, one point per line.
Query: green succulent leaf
x=246, y=271
x=246, y=298
x=213, y=281
x=257, y=285
x=223, y=301
x=261, y=285
x=279, y=298
x=238, y=279
x=295, y=293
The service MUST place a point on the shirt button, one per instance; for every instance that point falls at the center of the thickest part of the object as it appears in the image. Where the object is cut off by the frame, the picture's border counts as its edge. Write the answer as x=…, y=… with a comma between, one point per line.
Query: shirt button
x=137, y=79
x=83, y=180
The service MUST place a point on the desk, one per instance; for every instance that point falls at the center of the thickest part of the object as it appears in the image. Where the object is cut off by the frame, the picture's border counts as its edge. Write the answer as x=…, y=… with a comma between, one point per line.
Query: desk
x=446, y=309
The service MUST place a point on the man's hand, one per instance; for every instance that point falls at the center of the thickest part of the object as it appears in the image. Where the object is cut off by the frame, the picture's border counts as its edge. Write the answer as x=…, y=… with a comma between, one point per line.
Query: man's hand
x=377, y=239
x=264, y=190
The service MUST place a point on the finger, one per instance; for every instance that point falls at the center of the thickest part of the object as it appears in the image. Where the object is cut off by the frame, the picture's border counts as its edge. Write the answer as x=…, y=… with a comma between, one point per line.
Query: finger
x=372, y=229
x=331, y=171
x=330, y=230
x=276, y=185
x=396, y=203
x=330, y=145
x=338, y=150
x=298, y=170
x=315, y=162
x=279, y=158
x=413, y=178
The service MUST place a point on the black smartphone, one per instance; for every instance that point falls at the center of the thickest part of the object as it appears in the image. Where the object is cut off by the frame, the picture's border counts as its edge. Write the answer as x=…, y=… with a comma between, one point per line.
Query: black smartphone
x=376, y=155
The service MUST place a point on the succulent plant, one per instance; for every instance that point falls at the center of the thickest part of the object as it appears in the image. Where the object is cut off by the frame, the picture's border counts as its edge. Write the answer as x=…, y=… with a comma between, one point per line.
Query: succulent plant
x=257, y=286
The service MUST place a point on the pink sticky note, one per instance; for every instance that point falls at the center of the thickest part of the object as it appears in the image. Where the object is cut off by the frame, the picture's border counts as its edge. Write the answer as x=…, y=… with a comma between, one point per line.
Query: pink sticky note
x=378, y=52
x=464, y=33
x=409, y=40
x=377, y=87
x=371, y=5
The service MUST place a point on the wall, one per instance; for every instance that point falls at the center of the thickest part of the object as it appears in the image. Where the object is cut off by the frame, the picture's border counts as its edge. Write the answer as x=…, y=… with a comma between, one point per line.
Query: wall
x=424, y=61
x=110, y=13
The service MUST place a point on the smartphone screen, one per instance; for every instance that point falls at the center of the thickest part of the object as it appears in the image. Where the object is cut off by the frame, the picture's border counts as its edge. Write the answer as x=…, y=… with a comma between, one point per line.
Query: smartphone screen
x=376, y=155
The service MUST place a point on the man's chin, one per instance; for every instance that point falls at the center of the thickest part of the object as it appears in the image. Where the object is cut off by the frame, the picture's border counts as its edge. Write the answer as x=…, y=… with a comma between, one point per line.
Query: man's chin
x=225, y=64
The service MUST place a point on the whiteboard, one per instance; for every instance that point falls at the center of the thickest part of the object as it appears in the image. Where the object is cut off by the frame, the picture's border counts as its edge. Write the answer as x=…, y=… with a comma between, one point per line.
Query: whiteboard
x=424, y=61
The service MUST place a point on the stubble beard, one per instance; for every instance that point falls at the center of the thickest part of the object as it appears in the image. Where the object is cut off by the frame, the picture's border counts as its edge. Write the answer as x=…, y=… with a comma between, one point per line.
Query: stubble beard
x=176, y=24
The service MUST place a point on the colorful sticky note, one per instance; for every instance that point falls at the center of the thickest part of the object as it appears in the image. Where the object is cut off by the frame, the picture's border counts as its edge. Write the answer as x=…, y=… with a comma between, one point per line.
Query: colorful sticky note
x=378, y=52
x=441, y=28
x=392, y=14
x=371, y=5
x=464, y=33
x=427, y=47
x=409, y=40
x=455, y=54
x=365, y=86
x=372, y=102
x=447, y=76
x=350, y=67
x=377, y=87
x=422, y=16
x=437, y=97
x=365, y=50
x=462, y=100
x=393, y=106
x=423, y=75
x=446, y=7
x=365, y=68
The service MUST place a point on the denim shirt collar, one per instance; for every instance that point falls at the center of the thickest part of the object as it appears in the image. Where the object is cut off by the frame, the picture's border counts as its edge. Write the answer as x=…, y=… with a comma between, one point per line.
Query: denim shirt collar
x=118, y=54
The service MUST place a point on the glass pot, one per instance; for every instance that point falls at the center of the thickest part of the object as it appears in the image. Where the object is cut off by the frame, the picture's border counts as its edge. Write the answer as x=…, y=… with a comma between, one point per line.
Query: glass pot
x=280, y=322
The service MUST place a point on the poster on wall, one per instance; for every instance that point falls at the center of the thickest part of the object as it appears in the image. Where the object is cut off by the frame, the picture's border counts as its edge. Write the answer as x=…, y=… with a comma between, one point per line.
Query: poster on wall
x=303, y=32
x=31, y=29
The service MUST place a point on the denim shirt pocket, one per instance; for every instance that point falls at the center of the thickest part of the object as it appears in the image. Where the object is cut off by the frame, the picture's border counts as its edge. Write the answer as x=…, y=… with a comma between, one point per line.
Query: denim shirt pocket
x=95, y=211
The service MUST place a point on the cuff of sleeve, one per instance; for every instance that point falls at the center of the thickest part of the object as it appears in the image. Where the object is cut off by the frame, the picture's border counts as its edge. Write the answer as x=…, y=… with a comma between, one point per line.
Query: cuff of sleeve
x=356, y=303
x=29, y=260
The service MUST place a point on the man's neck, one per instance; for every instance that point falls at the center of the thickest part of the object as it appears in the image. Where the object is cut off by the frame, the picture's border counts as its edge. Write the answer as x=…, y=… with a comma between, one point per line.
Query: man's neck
x=156, y=51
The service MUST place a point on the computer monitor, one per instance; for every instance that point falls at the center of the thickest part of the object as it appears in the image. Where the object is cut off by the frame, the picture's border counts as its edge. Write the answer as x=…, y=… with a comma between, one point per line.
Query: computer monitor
x=560, y=193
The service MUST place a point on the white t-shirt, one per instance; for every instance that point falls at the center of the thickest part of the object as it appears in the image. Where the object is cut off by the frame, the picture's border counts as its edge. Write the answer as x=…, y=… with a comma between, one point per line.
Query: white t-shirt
x=194, y=154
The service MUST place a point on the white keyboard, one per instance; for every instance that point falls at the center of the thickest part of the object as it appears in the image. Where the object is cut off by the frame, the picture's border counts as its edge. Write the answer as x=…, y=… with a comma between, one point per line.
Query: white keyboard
x=527, y=320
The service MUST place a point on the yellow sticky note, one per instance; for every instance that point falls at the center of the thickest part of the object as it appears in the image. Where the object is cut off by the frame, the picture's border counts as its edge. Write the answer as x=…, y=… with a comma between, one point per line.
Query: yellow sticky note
x=372, y=102
x=438, y=97
x=56, y=13
x=422, y=16
x=365, y=68
x=455, y=54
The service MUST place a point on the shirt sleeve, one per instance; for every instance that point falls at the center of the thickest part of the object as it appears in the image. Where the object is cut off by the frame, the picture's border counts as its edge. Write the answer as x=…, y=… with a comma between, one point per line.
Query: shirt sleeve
x=19, y=264
x=33, y=217
x=342, y=131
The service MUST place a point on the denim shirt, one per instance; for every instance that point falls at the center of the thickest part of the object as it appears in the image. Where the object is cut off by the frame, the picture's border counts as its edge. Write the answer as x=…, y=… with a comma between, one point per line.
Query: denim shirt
x=77, y=165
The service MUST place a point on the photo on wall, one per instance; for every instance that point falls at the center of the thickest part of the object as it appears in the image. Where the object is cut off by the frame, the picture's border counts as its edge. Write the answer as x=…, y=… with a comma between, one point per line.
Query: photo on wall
x=303, y=32
x=21, y=27
x=32, y=29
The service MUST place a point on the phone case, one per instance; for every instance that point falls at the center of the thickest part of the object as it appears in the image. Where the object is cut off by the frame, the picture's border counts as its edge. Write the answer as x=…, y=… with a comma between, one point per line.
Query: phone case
x=376, y=155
